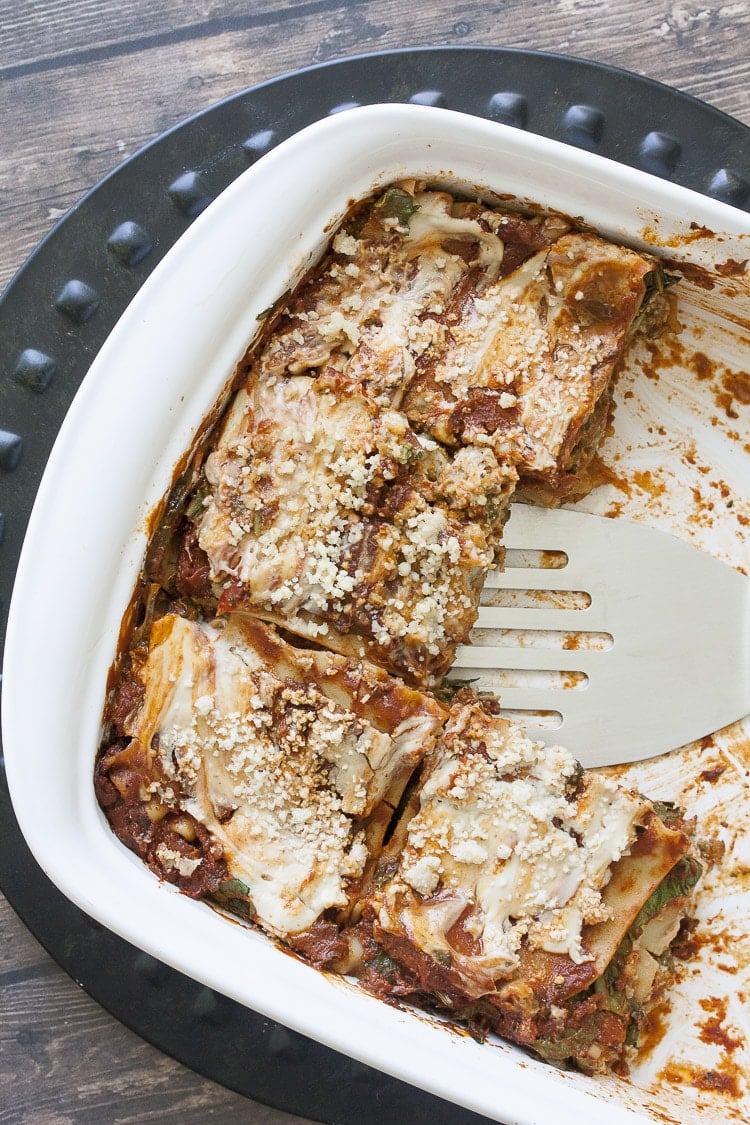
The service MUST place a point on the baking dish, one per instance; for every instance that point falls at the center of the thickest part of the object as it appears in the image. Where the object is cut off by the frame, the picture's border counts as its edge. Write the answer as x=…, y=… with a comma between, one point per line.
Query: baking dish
x=137, y=412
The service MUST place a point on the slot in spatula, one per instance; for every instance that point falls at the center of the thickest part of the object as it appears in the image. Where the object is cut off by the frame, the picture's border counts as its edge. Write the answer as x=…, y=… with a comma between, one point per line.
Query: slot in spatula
x=616, y=640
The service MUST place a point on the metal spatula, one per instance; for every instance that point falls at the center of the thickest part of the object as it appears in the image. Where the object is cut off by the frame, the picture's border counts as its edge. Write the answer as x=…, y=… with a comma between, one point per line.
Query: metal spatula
x=615, y=640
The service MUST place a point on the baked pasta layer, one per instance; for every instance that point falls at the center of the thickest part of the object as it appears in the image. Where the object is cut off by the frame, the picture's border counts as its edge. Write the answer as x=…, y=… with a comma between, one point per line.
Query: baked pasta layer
x=532, y=359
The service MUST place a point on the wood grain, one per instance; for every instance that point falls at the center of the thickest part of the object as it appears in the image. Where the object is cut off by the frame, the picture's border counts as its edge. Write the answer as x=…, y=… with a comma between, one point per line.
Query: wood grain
x=84, y=84
x=51, y=33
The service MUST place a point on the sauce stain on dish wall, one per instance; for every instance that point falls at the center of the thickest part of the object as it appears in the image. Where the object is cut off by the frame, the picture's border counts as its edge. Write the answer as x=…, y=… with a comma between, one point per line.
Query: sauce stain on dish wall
x=662, y=463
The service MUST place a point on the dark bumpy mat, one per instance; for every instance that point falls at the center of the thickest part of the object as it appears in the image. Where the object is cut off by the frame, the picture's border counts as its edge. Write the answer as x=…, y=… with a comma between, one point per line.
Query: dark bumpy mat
x=56, y=314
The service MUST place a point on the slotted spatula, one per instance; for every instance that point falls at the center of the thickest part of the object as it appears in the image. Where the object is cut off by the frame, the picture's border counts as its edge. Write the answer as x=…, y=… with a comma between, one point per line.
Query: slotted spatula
x=614, y=639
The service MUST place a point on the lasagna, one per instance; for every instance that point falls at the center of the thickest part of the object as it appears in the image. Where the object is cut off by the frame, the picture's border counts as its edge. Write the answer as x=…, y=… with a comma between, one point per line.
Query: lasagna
x=526, y=896
x=345, y=526
x=276, y=738
x=263, y=774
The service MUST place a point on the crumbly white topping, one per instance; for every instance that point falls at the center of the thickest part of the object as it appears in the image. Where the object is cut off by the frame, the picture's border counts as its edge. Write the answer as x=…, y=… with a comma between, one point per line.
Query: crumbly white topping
x=343, y=243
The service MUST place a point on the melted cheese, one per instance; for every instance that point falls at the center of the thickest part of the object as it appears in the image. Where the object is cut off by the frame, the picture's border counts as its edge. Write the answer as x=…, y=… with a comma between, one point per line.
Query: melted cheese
x=435, y=222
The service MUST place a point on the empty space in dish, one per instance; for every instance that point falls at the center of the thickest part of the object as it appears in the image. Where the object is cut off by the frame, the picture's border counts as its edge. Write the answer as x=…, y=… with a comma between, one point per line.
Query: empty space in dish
x=678, y=457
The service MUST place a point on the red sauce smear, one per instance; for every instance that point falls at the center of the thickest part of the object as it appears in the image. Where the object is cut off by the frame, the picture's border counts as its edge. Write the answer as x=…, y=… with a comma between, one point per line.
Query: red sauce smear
x=723, y=1081
x=713, y=1030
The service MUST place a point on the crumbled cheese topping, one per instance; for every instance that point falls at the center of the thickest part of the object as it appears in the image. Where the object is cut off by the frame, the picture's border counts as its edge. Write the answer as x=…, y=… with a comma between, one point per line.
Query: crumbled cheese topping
x=343, y=243
x=423, y=874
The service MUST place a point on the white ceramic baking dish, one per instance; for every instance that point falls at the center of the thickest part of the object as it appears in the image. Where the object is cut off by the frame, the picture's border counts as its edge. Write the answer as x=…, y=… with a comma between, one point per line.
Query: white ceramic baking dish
x=678, y=457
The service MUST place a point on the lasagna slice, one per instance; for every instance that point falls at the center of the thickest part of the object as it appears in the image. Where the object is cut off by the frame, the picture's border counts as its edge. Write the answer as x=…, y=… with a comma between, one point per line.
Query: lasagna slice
x=259, y=774
x=527, y=364
x=399, y=270
x=338, y=522
x=526, y=896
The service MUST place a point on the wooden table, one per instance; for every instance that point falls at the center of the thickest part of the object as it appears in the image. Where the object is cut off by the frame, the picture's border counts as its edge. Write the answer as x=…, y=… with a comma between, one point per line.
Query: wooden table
x=85, y=83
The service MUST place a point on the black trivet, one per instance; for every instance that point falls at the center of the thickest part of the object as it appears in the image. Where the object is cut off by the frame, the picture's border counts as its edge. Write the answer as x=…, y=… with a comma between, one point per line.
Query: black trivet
x=56, y=314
